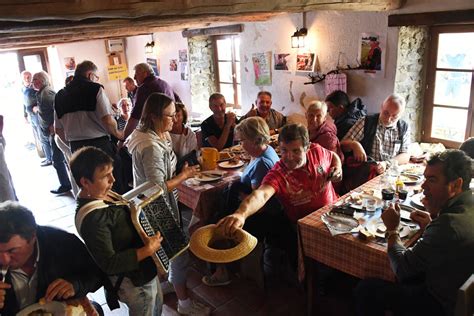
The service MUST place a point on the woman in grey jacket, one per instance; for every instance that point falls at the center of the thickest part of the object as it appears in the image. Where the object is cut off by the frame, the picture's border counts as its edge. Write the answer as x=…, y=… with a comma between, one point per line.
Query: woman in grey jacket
x=154, y=160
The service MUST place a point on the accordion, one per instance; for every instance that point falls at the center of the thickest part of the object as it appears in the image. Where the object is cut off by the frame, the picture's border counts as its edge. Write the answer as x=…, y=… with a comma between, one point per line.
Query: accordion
x=151, y=213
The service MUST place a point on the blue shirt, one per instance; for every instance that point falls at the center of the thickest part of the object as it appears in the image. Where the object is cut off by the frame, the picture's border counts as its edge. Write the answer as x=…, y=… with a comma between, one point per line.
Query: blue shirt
x=259, y=167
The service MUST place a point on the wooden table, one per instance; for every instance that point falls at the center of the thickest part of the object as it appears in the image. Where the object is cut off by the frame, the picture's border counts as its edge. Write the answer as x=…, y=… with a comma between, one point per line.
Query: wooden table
x=205, y=198
x=346, y=252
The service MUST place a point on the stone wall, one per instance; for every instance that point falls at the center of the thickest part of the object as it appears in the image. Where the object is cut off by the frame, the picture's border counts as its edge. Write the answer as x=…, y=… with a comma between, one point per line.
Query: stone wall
x=201, y=71
x=410, y=74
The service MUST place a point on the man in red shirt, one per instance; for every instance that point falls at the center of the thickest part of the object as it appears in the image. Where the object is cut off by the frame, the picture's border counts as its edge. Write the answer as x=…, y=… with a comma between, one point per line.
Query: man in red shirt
x=302, y=180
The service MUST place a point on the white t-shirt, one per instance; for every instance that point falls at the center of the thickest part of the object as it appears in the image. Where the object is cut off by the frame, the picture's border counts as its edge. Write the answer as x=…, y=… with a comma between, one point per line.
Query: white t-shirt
x=184, y=144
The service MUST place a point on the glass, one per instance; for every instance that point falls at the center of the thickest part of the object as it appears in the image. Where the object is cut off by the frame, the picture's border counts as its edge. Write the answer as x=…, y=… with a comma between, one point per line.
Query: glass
x=224, y=49
x=237, y=48
x=173, y=115
x=452, y=88
x=449, y=124
x=33, y=63
x=456, y=51
x=225, y=71
x=237, y=71
x=227, y=91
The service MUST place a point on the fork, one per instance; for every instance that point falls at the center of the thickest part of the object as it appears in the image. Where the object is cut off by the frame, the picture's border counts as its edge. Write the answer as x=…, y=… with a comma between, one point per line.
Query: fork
x=3, y=273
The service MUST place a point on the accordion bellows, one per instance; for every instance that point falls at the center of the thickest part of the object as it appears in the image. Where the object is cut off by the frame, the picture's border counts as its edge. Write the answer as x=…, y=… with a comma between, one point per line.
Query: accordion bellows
x=209, y=244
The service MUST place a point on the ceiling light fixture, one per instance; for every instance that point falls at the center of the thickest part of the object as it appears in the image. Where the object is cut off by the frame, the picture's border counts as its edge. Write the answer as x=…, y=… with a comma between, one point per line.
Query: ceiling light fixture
x=298, y=38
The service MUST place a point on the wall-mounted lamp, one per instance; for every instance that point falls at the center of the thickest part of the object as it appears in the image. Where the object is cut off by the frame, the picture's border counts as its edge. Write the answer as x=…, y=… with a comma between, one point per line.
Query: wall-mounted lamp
x=297, y=40
x=150, y=46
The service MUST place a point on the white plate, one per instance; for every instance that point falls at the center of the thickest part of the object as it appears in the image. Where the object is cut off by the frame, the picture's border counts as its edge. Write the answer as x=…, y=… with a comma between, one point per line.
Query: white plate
x=410, y=178
x=376, y=227
x=230, y=165
x=416, y=200
x=55, y=308
x=209, y=176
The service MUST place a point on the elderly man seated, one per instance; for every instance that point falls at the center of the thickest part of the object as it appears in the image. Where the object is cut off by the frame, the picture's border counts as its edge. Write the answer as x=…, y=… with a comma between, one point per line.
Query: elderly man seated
x=383, y=136
x=274, y=119
x=41, y=262
x=301, y=180
x=218, y=129
x=321, y=129
x=430, y=272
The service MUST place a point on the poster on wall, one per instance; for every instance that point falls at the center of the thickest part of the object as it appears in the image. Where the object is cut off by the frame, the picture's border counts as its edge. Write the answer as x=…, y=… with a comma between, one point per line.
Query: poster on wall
x=281, y=61
x=305, y=62
x=117, y=72
x=183, y=55
x=371, y=52
x=70, y=63
x=262, y=68
x=155, y=64
x=183, y=68
x=173, y=65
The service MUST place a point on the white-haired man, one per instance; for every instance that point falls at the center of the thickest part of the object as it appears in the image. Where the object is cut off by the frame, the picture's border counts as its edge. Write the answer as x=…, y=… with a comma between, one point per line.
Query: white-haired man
x=383, y=136
x=45, y=109
x=147, y=84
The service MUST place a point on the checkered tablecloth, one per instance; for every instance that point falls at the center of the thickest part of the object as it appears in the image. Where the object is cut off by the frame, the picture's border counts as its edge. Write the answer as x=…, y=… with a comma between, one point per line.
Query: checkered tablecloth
x=346, y=253
x=203, y=199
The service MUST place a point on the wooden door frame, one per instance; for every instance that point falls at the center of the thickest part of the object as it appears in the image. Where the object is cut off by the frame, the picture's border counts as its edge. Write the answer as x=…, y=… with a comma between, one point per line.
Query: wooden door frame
x=42, y=51
x=428, y=104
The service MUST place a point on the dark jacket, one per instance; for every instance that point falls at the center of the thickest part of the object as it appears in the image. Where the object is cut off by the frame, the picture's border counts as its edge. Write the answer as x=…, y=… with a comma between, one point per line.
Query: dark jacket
x=79, y=95
x=62, y=255
x=444, y=255
x=344, y=123
x=45, y=99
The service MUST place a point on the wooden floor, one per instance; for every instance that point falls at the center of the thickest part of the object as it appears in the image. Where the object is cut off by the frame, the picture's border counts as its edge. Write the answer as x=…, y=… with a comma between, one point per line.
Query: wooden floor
x=281, y=296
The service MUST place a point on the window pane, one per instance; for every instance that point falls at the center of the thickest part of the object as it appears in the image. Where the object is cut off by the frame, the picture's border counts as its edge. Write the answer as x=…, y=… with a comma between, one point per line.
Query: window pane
x=239, y=95
x=449, y=124
x=33, y=63
x=237, y=48
x=228, y=92
x=452, y=88
x=224, y=49
x=456, y=51
x=237, y=71
x=225, y=71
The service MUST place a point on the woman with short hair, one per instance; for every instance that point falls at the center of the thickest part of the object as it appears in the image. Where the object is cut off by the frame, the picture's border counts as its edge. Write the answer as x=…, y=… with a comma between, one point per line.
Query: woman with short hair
x=183, y=138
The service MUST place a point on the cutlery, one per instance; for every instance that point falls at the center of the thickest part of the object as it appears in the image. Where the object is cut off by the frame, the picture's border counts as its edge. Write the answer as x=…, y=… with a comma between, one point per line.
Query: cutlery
x=3, y=273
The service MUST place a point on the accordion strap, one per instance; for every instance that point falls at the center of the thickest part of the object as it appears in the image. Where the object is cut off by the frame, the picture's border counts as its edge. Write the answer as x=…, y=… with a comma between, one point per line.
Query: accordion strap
x=87, y=209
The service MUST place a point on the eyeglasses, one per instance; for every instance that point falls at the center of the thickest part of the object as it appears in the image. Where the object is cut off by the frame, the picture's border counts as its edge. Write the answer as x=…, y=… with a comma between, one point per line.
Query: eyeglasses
x=94, y=76
x=171, y=115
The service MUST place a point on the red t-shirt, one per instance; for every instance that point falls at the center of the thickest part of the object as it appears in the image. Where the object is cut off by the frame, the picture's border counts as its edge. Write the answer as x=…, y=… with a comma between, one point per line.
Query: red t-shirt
x=303, y=190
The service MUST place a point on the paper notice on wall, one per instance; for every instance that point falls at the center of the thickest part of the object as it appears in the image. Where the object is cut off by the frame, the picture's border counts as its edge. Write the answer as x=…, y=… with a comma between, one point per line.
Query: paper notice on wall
x=262, y=68
x=372, y=53
x=117, y=72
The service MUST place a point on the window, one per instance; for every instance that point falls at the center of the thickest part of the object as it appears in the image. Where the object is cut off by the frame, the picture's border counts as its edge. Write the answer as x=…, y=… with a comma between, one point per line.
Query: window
x=228, y=68
x=449, y=97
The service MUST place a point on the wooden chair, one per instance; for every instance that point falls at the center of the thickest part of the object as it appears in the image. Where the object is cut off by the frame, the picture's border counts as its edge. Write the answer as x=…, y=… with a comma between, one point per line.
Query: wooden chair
x=465, y=300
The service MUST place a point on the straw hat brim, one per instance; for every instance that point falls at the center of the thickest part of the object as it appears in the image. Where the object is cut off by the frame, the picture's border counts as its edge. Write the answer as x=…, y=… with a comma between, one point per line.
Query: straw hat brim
x=202, y=237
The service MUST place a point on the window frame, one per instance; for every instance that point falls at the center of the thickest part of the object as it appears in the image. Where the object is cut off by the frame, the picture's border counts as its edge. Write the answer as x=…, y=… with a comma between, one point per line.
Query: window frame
x=429, y=105
x=236, y=102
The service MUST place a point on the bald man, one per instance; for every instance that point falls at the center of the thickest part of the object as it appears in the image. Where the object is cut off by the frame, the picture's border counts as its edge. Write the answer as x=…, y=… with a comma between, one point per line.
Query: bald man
x=383, y=136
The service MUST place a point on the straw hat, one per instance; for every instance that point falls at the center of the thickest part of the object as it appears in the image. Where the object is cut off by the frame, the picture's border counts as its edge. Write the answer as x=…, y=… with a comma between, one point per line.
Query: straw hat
x=207, y=236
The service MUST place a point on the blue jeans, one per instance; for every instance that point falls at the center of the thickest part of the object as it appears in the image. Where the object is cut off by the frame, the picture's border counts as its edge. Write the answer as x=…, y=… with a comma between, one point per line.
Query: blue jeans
x=145, y=300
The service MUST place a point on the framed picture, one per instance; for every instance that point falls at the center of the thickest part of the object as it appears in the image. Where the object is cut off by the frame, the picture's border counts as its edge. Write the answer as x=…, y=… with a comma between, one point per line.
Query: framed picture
x=114, y=45
x=305, y=62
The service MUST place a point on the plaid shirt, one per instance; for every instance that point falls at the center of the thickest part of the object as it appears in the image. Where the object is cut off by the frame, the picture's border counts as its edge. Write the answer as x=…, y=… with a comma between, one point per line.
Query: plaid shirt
x=386, y=143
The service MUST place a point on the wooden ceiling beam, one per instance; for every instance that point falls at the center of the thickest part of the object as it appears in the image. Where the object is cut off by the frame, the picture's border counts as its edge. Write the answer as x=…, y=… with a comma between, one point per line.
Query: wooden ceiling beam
x=32, y=10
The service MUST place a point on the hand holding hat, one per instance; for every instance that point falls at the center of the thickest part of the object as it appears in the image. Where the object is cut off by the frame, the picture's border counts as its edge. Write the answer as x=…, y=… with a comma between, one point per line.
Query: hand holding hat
x=230, y=224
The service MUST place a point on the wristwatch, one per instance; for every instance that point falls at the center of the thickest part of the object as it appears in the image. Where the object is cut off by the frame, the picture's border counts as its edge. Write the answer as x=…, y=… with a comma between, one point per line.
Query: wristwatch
x=390, y=233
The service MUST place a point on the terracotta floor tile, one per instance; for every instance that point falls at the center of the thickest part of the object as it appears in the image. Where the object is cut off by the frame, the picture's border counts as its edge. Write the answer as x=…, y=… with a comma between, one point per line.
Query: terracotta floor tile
x=233, y=308
x=214, y=296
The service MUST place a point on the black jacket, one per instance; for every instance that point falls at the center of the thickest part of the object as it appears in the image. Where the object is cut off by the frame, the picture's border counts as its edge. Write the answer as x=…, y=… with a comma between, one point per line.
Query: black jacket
x=344, y=123
x=62, y=255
